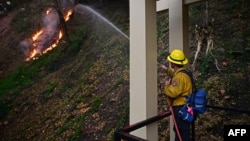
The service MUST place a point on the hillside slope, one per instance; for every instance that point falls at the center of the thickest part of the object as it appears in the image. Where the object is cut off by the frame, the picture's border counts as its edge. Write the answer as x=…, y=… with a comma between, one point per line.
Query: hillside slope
x=72, y=91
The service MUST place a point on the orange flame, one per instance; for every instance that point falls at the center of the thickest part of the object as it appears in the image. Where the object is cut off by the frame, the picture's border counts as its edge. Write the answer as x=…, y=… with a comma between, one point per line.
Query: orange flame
x=68, y=14
x=55, y=44
x=37, y=35
x=47, y=12
x=35, y=52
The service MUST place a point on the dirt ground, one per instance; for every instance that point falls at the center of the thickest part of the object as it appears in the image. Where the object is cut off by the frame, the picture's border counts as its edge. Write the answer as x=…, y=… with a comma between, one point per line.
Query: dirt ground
x=9, y=55
x=4, y=27
x=4, y=24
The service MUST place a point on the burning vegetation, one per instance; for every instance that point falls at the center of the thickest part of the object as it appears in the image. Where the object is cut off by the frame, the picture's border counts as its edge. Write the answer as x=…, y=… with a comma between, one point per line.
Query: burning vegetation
x=48, y=36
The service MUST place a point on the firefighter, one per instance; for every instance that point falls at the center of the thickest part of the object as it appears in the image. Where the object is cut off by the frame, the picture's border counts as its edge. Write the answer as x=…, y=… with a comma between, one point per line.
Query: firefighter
x=177, y=89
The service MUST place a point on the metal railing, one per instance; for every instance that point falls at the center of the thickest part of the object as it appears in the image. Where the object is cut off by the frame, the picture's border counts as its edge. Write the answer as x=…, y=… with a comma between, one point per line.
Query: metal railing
x=124, y=133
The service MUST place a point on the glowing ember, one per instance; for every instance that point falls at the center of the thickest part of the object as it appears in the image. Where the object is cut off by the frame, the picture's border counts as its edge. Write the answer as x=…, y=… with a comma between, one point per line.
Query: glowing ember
x=47, y=12
x=55, y=44
x=37, y=35
x=48, y=37
x=34, y=54
x=67, y=16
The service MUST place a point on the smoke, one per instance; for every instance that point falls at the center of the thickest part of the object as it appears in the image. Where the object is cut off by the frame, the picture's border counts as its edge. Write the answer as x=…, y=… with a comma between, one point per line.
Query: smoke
x=50, y=30
x=48, y=36
x=26, y=46
x=51, y=19
x=67, y=3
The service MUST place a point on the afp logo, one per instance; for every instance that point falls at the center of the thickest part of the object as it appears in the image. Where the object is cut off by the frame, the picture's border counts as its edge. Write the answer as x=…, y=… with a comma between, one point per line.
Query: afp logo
x=240, y=132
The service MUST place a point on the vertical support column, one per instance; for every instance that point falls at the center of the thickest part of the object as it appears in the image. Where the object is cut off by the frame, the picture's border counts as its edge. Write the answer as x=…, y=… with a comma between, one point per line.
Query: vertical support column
x=178, y=25
x=185, y=32
x=143, y=66
x=178, y=34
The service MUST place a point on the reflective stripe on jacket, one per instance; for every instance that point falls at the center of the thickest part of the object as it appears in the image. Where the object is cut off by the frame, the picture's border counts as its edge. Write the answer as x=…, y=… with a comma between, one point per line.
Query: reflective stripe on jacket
x=180, y=87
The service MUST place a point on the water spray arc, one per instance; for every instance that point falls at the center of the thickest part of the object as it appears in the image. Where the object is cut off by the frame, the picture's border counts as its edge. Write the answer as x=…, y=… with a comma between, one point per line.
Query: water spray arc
x=80, y=9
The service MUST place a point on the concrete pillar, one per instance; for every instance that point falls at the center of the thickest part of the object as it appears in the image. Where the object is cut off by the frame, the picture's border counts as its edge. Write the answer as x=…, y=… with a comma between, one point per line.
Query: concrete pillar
x=178, y=35
x=178, y=25
x=143, y=66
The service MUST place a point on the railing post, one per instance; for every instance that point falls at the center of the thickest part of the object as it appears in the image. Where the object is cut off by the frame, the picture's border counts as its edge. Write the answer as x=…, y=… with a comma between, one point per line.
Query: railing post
x=117, y=137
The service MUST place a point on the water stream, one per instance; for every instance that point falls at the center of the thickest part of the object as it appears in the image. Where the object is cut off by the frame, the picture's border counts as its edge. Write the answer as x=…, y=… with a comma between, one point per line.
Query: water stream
x=80, y=8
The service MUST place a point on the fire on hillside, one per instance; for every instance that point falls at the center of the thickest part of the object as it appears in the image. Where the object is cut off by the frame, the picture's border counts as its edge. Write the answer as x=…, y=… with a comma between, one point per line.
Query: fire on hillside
x=48, y=36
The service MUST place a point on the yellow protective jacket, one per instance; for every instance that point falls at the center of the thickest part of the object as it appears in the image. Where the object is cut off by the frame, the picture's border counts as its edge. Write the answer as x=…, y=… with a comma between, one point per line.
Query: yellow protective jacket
x=180, y=87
